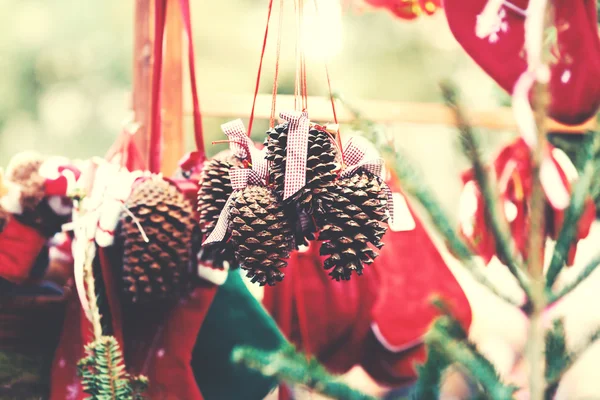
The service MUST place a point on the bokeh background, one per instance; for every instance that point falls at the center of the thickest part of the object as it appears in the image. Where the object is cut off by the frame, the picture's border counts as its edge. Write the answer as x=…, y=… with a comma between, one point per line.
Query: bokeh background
x=65, y=73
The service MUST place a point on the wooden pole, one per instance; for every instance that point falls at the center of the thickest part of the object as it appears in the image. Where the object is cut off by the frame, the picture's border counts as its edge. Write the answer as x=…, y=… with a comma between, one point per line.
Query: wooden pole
x=222, y=105
x=172, y=89
x=142, y=72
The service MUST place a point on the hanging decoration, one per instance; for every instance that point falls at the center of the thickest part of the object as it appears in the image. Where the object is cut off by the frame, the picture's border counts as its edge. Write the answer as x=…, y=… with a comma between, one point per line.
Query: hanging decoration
x=304, y=186
x=493, y=34
x=408, y=9
x=513, y=171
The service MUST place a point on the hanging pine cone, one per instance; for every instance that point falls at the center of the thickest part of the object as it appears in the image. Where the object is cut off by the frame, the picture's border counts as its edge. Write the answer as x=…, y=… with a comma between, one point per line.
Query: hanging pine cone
x=156, y=269
x=353, y=221
x=261, y=234
x=321, y=167
x=215, y=189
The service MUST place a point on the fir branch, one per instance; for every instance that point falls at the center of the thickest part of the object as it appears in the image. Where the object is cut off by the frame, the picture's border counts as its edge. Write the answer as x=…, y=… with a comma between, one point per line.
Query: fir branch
x=573, y=214
x=505, y=245
x=447, y=337
x=568, y=360
x=568, y=288
x=289, y=366
x=412, y=183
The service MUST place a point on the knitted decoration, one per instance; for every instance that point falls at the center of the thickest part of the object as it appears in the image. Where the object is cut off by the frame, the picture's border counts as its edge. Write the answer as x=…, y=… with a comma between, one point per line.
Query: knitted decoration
x=23, y=169
x=355, y=219
x=261, y=234
x=155, y=269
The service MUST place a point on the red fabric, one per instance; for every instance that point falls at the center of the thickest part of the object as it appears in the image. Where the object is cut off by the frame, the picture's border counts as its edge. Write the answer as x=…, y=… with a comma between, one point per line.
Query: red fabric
x=408, y=9
x=333, y=320
x=513, y=172
x=575, y=81
x=20, y=246
x=126, y=153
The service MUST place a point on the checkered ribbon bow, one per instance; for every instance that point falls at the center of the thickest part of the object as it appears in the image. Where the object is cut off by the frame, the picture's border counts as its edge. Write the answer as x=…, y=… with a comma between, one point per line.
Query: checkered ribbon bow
x=356, y=157
x=240, y=145
x=297, y=151
x=240, y=178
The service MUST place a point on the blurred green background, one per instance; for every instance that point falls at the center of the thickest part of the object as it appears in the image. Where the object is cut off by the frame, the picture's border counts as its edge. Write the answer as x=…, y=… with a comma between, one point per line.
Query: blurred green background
x=65, y=73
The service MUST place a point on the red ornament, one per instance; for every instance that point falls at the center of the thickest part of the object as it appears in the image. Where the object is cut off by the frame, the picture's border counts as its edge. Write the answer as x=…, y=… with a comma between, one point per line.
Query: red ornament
x=575, y=80
x=408, y=9
x=513, y=172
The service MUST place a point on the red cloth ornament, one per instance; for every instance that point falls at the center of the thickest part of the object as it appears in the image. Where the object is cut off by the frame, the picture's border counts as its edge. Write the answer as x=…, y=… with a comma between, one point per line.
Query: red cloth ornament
x=408, y=9
x=513, y=172
x=20, y=246
x=335, y=321
x=575, y=75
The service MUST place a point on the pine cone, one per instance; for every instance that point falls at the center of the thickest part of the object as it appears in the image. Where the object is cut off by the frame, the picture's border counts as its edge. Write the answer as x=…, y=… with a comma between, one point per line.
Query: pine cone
x=355, y=219
x=261, y=234
x=215, y=189
x=155, y=270
x=321, y=167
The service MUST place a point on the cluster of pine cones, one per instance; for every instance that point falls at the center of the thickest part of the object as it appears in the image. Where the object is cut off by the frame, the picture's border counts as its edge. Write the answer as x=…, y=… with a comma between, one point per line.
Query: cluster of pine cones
x=348, y=214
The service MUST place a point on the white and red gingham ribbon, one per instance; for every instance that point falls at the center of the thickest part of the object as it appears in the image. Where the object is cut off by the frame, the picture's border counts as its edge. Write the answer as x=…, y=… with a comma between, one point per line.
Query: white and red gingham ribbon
x=297, y=151
x=356, y=157
x=240, y=144
x=240, y=178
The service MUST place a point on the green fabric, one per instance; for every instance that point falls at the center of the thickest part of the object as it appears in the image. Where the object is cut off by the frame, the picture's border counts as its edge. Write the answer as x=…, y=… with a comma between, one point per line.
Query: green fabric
x=235, y=318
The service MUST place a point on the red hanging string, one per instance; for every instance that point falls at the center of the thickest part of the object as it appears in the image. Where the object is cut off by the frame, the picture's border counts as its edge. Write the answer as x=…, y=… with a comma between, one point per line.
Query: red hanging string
x=331, y=97
x=262, y=56
x=277, y=57
x=155, y=159
x=296, y=58
x=302, y=57
x=198, y=130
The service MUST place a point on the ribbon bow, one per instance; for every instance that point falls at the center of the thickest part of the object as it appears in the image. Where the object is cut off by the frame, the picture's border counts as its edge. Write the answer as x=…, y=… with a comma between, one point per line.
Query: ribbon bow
x=242, y=146
x=356, y=157
x=297, y=151
x=95, y=221
x=240, y=178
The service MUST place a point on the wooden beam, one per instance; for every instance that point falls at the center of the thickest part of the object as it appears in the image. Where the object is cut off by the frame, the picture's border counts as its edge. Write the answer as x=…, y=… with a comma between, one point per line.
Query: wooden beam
x=238, y=106
x=142, y=72
x=172, y=89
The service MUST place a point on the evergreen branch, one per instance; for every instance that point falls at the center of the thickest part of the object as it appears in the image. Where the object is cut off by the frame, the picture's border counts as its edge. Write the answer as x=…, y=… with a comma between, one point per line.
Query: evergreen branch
x=573, y=214
x=412, y=183
x=505, y=245
x=450, y=340
x=568, y=288
x=571, y=358
x=292, y=367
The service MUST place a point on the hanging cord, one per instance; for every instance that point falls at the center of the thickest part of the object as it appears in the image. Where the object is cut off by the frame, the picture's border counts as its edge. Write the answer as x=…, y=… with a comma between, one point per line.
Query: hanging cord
x=260, y=64
x=338, y=137
x=302, y=56
x=155, y=150
x=297, y=57
x=198, y=130
x=277, y=57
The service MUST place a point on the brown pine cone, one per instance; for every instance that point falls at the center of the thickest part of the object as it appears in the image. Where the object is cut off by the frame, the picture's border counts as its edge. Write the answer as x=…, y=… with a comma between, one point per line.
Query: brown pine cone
x=321, y=167
x=261, y=234
x=156, y=270
x=354, y=221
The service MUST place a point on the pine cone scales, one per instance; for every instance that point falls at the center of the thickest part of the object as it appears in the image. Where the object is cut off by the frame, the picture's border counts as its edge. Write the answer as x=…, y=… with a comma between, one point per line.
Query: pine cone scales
x=320, y=167
x=261, y=234
x=352, y=222
x=155, y=270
